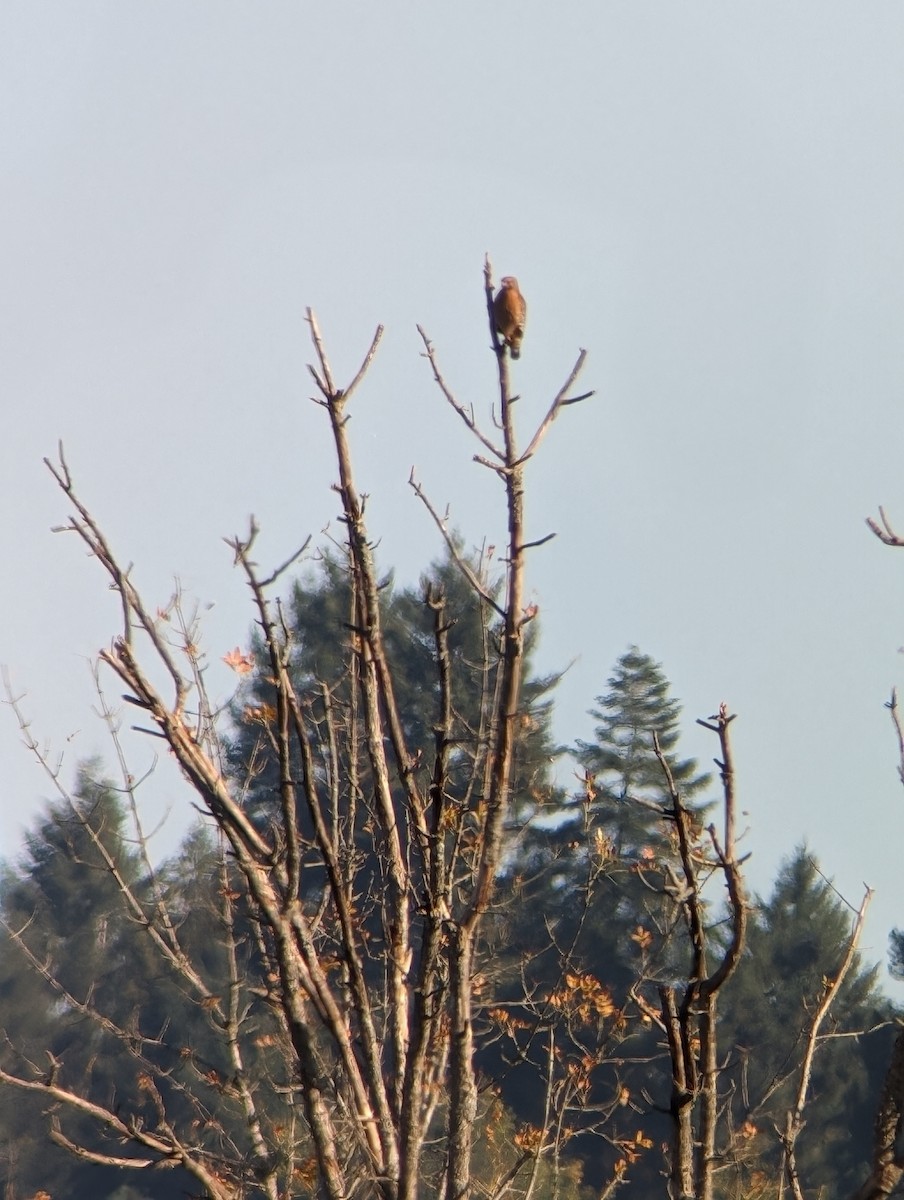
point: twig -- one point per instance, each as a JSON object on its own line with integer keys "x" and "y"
{"x": 884, "y": 533}
{"x": 466, "y": 415}
{"x": 560, "y": 401}
{"x": 892, "y": 706}
{"x": 459, "y": 561}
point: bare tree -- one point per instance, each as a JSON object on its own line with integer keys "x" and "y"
{"x": 367, "y": 975}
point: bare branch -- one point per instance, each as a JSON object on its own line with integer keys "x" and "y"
{"x": 466, "y": 414}
{"x": 794, "y": 1118}
{"x": 560, "y": 402}
{"x": 884, "y": 533}
{"x": 463, "y": 566}
{"x": 892, "y": 706}
{"x": 365, "y": 364}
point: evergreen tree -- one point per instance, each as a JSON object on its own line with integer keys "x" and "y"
{"x": 630, "y": 922}
{"x": 101, "y": 955}
{"x": 796, "y": 939}
{"x": 622, "y": 760}
{"x": 64, "y": 906}
{"x": 896, "y": 954}
{"x": 597, "y": 874}
{"x": 612, "y": 830}
{"x": 120, "y": 1014}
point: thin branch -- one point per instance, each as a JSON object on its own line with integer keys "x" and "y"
{"x": 368, "y": 359}
{"x": 463, "y": 566}
{"x": 794, "y": 1118}
{"x": 467, "y": 415}
{"x": 166, "y": 1149}
{"x": 538, "y": 542}
{"x": 560, "y": 402}
{"x": 884, "y": 533}
{"x": 89, "y": 531}
{"x": 892, "y": 706}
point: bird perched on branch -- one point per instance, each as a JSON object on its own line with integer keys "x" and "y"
{"x": 510, "y": 312}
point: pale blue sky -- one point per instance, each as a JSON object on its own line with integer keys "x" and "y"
{"x": 707, "y": 196}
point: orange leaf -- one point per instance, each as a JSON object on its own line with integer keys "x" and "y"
{"x": 239, "y": 662}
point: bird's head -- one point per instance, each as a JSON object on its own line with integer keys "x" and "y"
{"x": 509, "y": 281}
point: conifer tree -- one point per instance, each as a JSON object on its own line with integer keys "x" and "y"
{"x": 627, "y": 775}
{"x": 796, "y": 941}
{"x": 896, "y": 954}
{"x": 69, "y": 950}
{"x": 615, "y": 818}
{"x": 596, "y": 875}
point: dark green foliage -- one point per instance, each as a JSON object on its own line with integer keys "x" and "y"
{"x": 624, "y": 799}
{"x": 123, "y": 1025}
{"x": 628, "y": 778}
{"x": 65, "y": 904}
{"x": 896, "y": 953}
{"x": 320, "y": 623}
{"x": 796, "y": 940}
{"x": 593, "y": 872}
{"x": 638, "y": 704}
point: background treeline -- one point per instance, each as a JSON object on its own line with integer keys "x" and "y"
{"x": 586, "y": 924}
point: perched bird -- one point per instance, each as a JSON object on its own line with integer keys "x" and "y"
{"x": 510, "y": 312}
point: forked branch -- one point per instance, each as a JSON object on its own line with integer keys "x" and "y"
{"x": 691, "y": 1018}
{"x": 884, "y": 531}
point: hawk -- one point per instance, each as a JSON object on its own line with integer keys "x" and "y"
{"x": 510, "y": 312}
